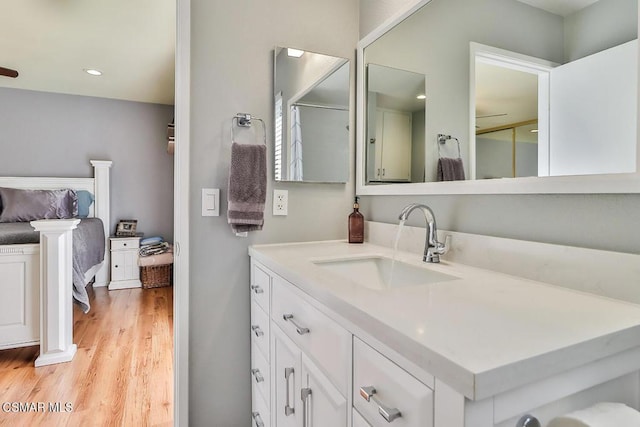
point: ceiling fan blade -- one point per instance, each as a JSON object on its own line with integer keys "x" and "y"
{"x": 491, "y": 115}
{"x": 8, "y": 72}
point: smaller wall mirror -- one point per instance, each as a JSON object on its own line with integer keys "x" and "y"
{"x": 311, "y": 105}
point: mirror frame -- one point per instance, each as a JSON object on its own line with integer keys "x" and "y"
{"x": 623, "y": 183}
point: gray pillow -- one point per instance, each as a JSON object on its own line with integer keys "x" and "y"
{"x": 28, "y": 205}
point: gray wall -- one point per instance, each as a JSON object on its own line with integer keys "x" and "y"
{"x": 49, "y": 134}
{"x": 608, "y": 222}
{"x": 231, "y": 71}
{"x": 604, "y": 24}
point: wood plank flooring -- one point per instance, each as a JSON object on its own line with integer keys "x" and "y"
{"x": 122, "y": 374}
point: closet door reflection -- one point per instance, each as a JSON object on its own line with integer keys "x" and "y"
{"x": 507, "y": 152}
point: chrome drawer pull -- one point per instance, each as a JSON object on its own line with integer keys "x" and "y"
{"x": 257, "y": 375}
{"x": 288, "y": 410}
{"x": 304, "y": 395}
{"x": 389, "y": 414}
{"x": 299, "y": 329}
{"x": 258, "y": 419}
{"x": 257, "y": 289}
{"x": 256, "y": 330}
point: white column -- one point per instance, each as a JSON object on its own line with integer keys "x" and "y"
{"x": 102, "y": 211}
{"x": 56, "y": 281}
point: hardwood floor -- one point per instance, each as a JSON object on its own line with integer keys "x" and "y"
{"x": 122, "y": 374}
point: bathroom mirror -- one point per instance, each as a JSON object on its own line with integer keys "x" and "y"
{"x": 490, "y": 99}
{"x": 311, "y": 105}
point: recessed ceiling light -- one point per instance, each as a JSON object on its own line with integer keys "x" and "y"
{"x": 296, "y": 53}
{"x": 421, "y": 97}
{"x": 534, "y": 130}
{"x": 93, "y": 72}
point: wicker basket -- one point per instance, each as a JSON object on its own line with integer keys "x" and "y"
{"x": 156, "y": 276}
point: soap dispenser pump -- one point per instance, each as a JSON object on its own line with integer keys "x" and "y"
{"x": 356, "y": 224}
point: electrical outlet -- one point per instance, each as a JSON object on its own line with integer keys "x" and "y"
{"x": 280, "y": 202}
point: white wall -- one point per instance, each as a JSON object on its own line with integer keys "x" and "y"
{"x": 597, "y": 221}
{"x": 51, "y": 134}
{"x": 232, "y": 71}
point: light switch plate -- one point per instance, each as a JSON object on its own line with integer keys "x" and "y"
{"x": 210, "y": 202}
{"x": 280, "y": 202}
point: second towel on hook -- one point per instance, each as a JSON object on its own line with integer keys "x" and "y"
{"x": 247, "y": 187}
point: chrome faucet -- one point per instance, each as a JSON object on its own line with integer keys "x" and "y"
{"x": 432, "y": 248}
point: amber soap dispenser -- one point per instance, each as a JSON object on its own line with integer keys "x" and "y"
{"x": 356, "y": 224}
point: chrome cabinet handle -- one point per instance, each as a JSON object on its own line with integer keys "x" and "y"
{"x": 256, "y": 330}
{"x": 257, "y": 375}
{"x": 304, "y": 396}
{"x": 389, "y": 414}
{"x": 288, "y": 410}
{"x": 299, "y": 329}
{"x": 257, "y": 289}
{"x": 258, "y": 419}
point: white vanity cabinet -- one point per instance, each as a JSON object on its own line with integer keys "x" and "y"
{"x": 306, "y": 377}
{"x": 372, "y": 358}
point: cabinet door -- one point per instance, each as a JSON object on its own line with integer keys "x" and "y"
{"x": 287, "y": 380}
{"x": 131, "y": 269}
{"x": 396, "y": 146}
{"x": 118, "y": 266}
{"x": 358, "y": 421}
{"x": 321, "y": 403}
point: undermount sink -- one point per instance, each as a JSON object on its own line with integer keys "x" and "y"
{"x": 377, "y": 272}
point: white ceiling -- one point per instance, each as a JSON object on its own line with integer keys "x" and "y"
{"x": 562, "y": 8}
{"x": 50, "y": 42}
{"x": 396, "y": 89}
{"x": 501, "y": 90}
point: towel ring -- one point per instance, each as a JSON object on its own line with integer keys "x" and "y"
{"x": 442, "y": 139}
{"x": 244, "y": 120}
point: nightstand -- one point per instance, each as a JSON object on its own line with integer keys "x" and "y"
{"x": 125, "y": 272}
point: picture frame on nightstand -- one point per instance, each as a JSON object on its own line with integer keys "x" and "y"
{"x": 127, "y": 228}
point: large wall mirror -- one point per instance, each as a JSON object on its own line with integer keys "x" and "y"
{"x": 500, "y": 96}
{"x": 311, "y": 104}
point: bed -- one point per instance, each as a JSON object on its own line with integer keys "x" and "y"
{"x": 38, "y": 281}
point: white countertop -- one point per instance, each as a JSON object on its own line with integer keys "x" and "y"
{"x": 483, "y": 334}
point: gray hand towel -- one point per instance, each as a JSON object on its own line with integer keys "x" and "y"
{"x": 450, "y": 169}
{"x": 247, "y": 187}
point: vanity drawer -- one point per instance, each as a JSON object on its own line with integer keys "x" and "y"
{"x": 394, "y": 388}
{"x": 322, "y": 339}
{"x": 260, "y": 286}
{"x": 260, "y": 329}
{"x": 260, "y": 415}
{"x": 260, "y": 373}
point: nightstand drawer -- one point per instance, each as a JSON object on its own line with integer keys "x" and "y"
{"x": 121, "y": 243}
